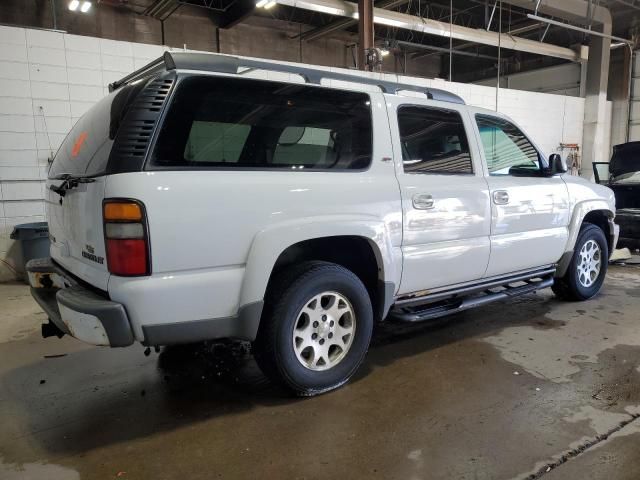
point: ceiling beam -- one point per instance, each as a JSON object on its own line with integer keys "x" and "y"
{"x": 427, "y": 26}
{"x": 421, "y": 46}
{"x": 515, "y": 31}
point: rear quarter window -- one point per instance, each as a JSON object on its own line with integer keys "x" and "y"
{"x": 231, "y": 123}
{"x": 86, "y": 149}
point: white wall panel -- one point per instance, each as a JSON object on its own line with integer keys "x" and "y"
{"x": 16, "y": 158}
{"x": 16, "y": 123}
{"x": 44, "y": 38}
{"x": 47, "y": 56}
{"x": 51, "y": 108}
{"x": 89, "y": 60}
{"x": 13, "y": 36}
{"x": 12, "y": 53}
{"x": 117, "y": 63}
{"x": 79, "y": 43}
{"x": 85, "y": 93}
{"x": 14, "y": 70}
{"x": 47, "y": 73}
{"x": 49, "y": 90}
{"x": 23, "y": 190}
{"x": 83, "y": 76}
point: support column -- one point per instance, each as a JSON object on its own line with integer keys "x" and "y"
{"x": 365, "y": 31}
{"x": 595, "y": 121}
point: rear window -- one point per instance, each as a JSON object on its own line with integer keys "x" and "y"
{"x": 85, "y": 151}
{"x": 241, "y": 123}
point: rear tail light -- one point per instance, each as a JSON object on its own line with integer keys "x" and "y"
{"x": 126, "y": 238}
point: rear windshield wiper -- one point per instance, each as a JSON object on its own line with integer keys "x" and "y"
{"x": 68, "y": 182}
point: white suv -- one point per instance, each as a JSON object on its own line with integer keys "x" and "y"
{"x": 196, "y": 202}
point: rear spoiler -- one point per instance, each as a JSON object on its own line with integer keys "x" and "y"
{"x": 213, "y": 62}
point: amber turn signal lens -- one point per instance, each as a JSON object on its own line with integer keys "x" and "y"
{"x": 126, "y": 211}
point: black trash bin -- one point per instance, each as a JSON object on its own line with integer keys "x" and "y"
{"x": 34, "y": 241}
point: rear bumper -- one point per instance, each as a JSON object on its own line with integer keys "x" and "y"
{"x": 77, "y": 310}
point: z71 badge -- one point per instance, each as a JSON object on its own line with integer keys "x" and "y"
{"x": 89, "y": 254}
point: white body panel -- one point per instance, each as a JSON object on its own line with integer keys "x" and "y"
{"x": 532, "y": 228}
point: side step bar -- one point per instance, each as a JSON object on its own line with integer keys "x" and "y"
{"x": 432, "y": 308}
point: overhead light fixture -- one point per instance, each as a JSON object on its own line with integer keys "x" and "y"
{"x": 270, "y": 5}
{"x": 86, "y": 6}
{"x": 73, "y": 5}
{"x": 262, "y": 3}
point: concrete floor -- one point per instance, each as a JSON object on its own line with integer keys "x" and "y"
{"x": 531, "y": 388}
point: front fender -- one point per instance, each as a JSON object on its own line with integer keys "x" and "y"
{"x": 580, "y": 211}
{"x": 269, "y": 243}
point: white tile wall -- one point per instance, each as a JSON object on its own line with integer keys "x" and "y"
{"x": 14, "y": 70}
{"x": 22, "y": 190}
{"x": 50, "y": 78}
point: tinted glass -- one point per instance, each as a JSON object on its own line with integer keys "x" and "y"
{"x": 506, "y": 147}
{"x": 242, "y": 123}
{"x": 85, "y": 151}
{"x": 433, "y": 141}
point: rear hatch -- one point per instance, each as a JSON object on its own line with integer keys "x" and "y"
{"x": 76, "y": 186}
{"x": 625, "y": 161}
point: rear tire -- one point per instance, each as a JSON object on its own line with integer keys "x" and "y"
{"x": 316, "y": 328}
{"x": 588, "y": 267}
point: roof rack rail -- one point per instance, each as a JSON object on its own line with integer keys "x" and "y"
{"x": 213, "y": 62}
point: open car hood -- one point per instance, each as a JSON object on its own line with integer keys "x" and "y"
{"x": 625, "y": 159}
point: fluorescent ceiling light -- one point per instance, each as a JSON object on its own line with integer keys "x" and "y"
{"x": 381, "y": 20}
{"x": 85, "y": 7}
{"x": 270, "y": 5}
{"x": 261, "y": 3}
{"x": 73, "y": 5}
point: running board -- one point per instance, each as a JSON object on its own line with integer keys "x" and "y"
{"x": 430, "y": 309}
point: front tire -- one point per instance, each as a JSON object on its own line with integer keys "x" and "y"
{"x": 588, "y": 267}
{"x": 316, "y": 328}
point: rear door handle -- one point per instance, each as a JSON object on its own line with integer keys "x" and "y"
{"x": 423, "y": 201}
{"x": 500, "y": 197}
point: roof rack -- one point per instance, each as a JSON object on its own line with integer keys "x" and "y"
{"x": 213, "y": 62}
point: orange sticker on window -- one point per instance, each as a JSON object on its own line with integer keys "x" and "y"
{"x": 78, "y": 145}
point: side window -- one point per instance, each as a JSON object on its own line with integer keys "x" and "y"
{"x": 507, "y": 150}
{"x": 433, "y": 141}
{"x": 230, "y": 123}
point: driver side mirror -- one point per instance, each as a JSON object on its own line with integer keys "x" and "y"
{"x": 556, "y": 164}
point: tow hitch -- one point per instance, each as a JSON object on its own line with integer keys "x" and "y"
{"x": 50, "y": 329}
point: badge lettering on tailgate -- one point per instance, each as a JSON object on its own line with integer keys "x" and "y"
{"x": 89, "y": 255}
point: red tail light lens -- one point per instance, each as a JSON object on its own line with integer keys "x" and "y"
{"x": 126, "y": 238}
{"x": 127, "y": 257}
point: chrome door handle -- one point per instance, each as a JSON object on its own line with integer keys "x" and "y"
{"x": 500, "y": 197}
{"x": 423, "y": 201}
